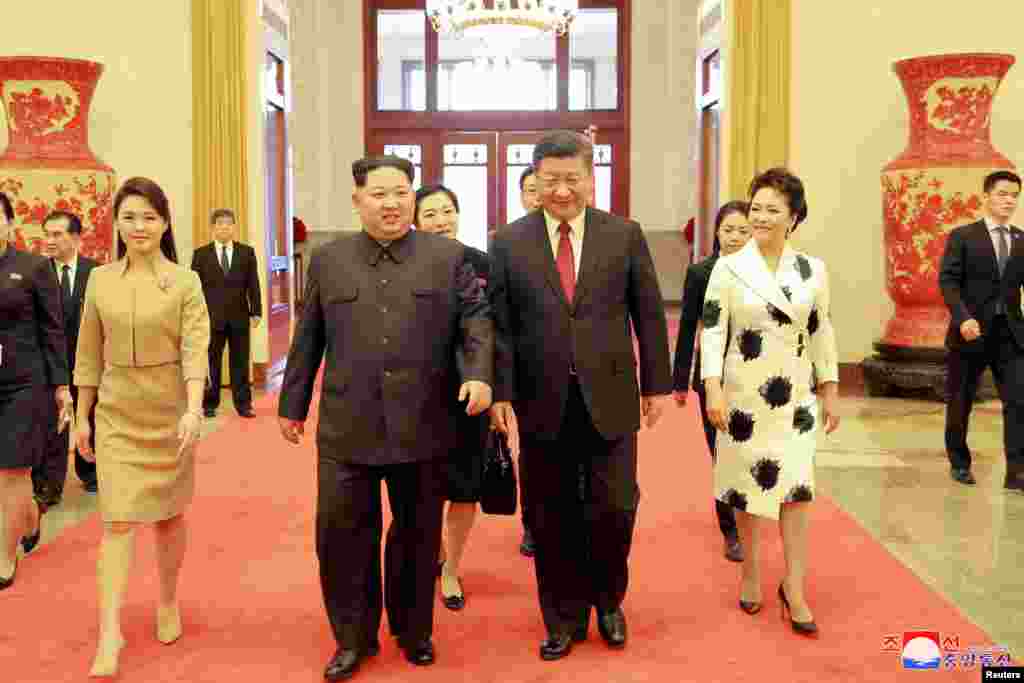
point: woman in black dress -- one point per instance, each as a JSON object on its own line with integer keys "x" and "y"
{"x": 437, "y": 211}
{"x": 33, "y": 372}
{"x": 731, "y": 232}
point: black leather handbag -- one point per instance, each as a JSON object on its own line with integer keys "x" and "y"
{"x": 498, "y": 491}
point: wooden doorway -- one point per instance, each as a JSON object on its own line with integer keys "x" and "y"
{"x": 277, "y": 215}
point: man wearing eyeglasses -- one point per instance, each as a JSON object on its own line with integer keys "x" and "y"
{"x": 566, "y": 283}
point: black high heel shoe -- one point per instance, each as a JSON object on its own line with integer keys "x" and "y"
{"x": 803, "y": 628}
{"x": 29, "y": 543}
{"x": 9, "y": 581}
{"x": 750, "y": 608}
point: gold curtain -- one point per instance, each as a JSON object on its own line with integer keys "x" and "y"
{"x": 219, "y": 132}
{"x": 758, "y": 98}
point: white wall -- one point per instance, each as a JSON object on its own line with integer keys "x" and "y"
{"x": 326, "y": 126}
{"x": 663, "y": 180}
{"x": 141, "y": 115}
{"x": 849, "y": 118}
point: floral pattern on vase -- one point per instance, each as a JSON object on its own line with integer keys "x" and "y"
{"x": 48, "y": 164}
{"x": 934, "y": 186}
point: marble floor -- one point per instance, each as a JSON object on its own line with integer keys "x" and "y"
{"x": 885, "y": 467}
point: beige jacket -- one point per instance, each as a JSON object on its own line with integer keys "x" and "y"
{"x": 154, "y": 322}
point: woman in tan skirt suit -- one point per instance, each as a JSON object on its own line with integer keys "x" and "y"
{"x": 142, "y": 349}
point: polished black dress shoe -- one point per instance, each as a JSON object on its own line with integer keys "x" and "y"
{"x": 1014, "y": 479}
{"x": 612, "y": 626}
{"x": 555, "y": 647}
{"x": 343, "y": 664}
{"x": 733, "y": 550}
{"x": 963, "y": 475}
{"x": 803, "y": 628}
{"x": 247, "y": 412}
{"x": 9, "y": 581}
{"x": 91, "y": 486}
{"x": 579, "y": 634}
{"x": 209, "y": 412}
{"x": 421, "y": 653}
{"x": 527, "y": 547}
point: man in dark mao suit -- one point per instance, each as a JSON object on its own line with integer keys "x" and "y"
{"x": 407, "y": 335}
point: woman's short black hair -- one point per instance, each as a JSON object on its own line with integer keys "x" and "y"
{"x": 788, "y": 186}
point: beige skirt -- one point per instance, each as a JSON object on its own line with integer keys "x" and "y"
{"x": 142, "y": 478}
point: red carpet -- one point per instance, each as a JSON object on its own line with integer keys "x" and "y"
{"x": 252, "y": 610}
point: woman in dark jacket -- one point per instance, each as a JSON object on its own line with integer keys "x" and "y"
{"x": 731, "y": 233}
{"x": 33, "y": 372}
{"x": 437, "y": 211}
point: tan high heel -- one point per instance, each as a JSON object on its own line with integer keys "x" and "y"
{"x": 112, "y": 576}
{"x": 168, "y": 624}
{"x": 107, "y": 659}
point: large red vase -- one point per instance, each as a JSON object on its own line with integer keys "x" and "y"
{"x": 935, "y": 185}
{"x": 48, "y": 165}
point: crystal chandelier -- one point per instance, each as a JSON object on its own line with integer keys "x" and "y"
{"x": 456, "y": 17}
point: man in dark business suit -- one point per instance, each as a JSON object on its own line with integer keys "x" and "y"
{"x": 63, "y": 232}
{"x": 231, "y": 283}
{"x": 566, "y": 282}
{"x": 980, "y": 278}
{"x": 407, "y": 333}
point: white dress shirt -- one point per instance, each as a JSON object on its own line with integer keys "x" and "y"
{"x": 221, "y": 248}
{"x": 72, "y": 271}
{"x": 576, "y": 228}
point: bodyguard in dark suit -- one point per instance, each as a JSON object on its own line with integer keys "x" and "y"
{"x": 401, "y": 322}
{"x": 63, "y": 233}
{"x": 567, "y": 383}
{"x": 231, "y": 284}
{"x": 980, "y": 279}
{"x": 731, "y": 232}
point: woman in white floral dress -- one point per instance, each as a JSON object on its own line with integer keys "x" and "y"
{"x": 767, "y": 339}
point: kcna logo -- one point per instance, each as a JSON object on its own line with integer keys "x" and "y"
{"x": 921, "y": 650}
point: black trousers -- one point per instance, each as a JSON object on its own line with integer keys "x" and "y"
{"x": 1006, "y": 360}
{"x": 582, "y": 548}
{"x": 349, "y": 525}
{"x": 726, "y": 517}
{"x": 53, "y": 470}
{"x": 236, "y": 336}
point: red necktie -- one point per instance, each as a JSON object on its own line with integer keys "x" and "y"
{"x": 566, "y": 262}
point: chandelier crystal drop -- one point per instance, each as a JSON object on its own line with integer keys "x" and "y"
{"x": 455, "y": 17}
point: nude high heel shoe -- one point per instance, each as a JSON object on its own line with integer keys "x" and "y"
{"x": 112, "y": 574}
{"x": 168, "y": 624}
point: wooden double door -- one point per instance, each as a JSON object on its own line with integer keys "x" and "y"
{"x": 483, "y": 169}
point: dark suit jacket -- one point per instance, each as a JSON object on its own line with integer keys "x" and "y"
{"x": 399, "y": 335}
{"x": 73, "y": 307}
{"x": 541, "y": 335}
{"x": 234, "y": 298}
{"x": 970, "y": 282}
{"x": 694, "y": 287}
{"x": 31, "y": 323}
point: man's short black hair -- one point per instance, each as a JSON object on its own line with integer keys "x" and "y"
{"x": 74, "y": 222}
{"x": 992, "y": 178}
{"x": 363, "y": 167}
{"x": 222, "y": 213}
